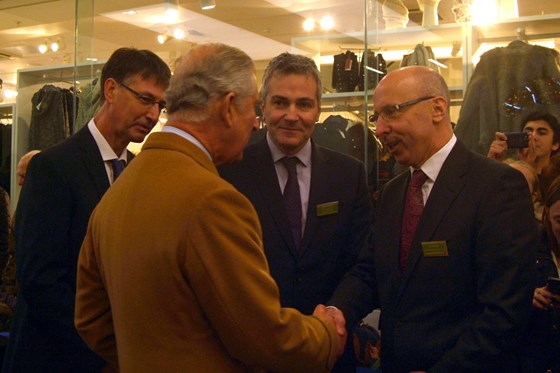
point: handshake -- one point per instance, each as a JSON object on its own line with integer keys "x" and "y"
{"x": 336, "y": 317}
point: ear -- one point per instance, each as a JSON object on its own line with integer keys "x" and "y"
{"x": 555, "y": 146}
{"x": 439, "y": 109}
{"x": 109, "y": 89}
{"x": 228, "y": 107}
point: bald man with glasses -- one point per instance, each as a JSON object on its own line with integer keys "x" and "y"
{"x": 450, "y": 265}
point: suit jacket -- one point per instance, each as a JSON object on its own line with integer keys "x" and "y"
{"x": 179, "y": 282}
{"x": 62, "y": 186}
{"x": 460, "y": 312}
{"x": 330, "y": 243}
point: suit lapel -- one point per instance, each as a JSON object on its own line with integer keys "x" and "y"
{"x": 449, "y": 184}
{"x": 262, "y": 164}
{"x": 318, "y": 191}
{"x": 92, "y": 161}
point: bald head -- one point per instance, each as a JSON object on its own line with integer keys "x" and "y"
{"x": 417, "y": 80}
{"x": 22, "y": 165}
{"x": 412, "y": 109}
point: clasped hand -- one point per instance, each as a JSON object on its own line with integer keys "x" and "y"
{"x": 337, "y": 318}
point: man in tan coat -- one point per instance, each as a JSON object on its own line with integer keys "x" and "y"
{"x": 177, "y": 280}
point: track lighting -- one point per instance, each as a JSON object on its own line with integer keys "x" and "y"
{"x": 43, "y": 47}
{"x": 55, "y": 46}
{"x": 162, "y": 38}
{"x": 207, "y": 4}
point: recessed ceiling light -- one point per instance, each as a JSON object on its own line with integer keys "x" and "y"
{"x": 43, "y": 48}
{"x": 309, "y": 24}
{"x": 327, "y": 23}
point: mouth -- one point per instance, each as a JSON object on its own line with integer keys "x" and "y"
{"x": 390, "y": 144}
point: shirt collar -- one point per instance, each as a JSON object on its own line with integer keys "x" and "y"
{"x": 107, "y": 153}
{"x": 304, "y": 154}
{"x": 433, "y": 165}
{"x": 188, "y": 137}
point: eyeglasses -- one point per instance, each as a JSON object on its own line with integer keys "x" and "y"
{"x": 146, "y": 100}
{"x": 391, "y": 111}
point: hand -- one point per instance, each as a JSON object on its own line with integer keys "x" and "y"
{"x": 338, "y": 321}
{"x": 528, "y": 154}
{"x": 498, "y": 148}
{"x": 543, "y": 298}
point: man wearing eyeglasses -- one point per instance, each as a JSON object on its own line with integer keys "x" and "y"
{"x": 453, "y": 237}
{"x": 62, "y": 186}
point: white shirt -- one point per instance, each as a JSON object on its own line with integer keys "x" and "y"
{"x": 433, "y": 165}
{"x": 107, "y": 153}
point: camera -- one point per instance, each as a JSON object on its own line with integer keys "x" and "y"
{"x": 517, "y": 139}
{"x": 554, "y": 285}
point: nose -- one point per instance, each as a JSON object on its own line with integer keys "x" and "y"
{"x": 154, "y": 112}
{"x": 381, "y": 127}
{"x": 291, "y": 113}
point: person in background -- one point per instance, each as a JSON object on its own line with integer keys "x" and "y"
{"x": 62, "y": 186}
{"x": 542, "y": 336}
{"x": 452, "y": 256}
{"x": 533, "y": 182}
{"x": 22, "y": 165}
{"x": 308, "y": 257}
{"x": 544, "y": 140}
{"x": 9, "y": 283}
{"x": 179, "y": 282}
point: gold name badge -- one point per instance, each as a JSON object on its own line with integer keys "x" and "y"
{"x": 434, "y": 248}
{"x": 328, "y": 208}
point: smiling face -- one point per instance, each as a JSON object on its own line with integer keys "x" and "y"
{"x": 291, "y": 110}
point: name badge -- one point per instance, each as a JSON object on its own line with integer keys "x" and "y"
{"x": 328, "y": 208}
{"x": 434, "y": 248}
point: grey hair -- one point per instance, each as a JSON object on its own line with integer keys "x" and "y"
{"x": 207, "y": 72}
{"x": 288, "y": 63}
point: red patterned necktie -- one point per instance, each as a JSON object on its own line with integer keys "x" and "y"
{"x": 292, "y": 198}
{"x": 413, "y": 206}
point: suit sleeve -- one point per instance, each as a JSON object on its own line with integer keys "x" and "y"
{"x": 228, "y": 272}
{"x": 505, "y": 239}
{"x": 93, "y": 318}
{"x": 44, "y": 269}
{"x": 356, "y": 295}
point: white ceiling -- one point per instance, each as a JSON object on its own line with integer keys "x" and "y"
{"x": 261, "y": 28}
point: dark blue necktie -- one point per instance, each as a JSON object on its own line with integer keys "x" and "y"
{"x": 118, "y": 167}
{"x": 292, "y": 198}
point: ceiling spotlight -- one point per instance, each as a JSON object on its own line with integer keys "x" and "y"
{"x": 327, "y": 23}
{"x": 171, "y": 9}
{"x": 178, "y": 34}
{"x": 43, "y": 48}
{"x": 55, "y": 46}
{"x": 162, "y": 38}
{"x": 309, "y": 24}
{"x": 207, "y": 4}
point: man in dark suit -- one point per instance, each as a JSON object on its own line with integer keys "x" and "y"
{"x": 458, "y": 298}
{"x": 63, "y": 184}
{"x": 309, "y": 256}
